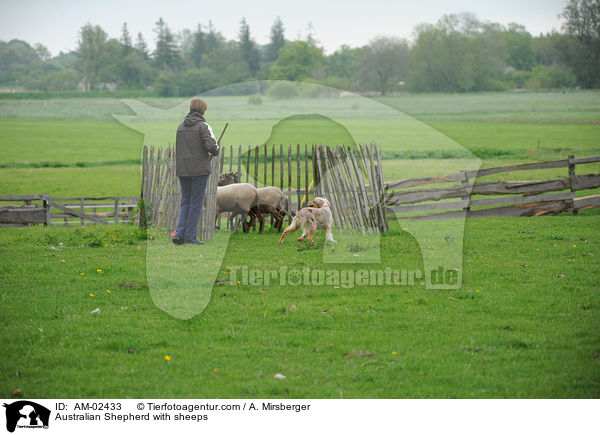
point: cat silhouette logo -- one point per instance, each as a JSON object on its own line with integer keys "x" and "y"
{"x": 26, "y": 414}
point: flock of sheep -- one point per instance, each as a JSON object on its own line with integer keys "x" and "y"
{"x": 245, "y": 200}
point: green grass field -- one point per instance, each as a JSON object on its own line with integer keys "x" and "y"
{"x": 81, "y": 133}
{"x": 524, "y": 324}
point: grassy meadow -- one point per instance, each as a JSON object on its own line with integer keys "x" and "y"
{"x": 85, "y": 146}
{"x": 524, "y": 324}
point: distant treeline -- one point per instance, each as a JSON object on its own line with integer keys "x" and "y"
{"x": 457, "y": 54}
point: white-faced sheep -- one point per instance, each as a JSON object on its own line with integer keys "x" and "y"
{"x": 237, "y": 199}
{"x": 270, "y": 198}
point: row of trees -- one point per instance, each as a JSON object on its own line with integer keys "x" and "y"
{"x": 457, "y": 54}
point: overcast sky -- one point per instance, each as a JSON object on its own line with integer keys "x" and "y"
{"x": 56, "y": 23}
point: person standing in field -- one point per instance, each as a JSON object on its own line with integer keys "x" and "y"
{"x": 194, "y": 147}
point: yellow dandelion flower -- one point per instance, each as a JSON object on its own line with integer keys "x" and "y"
{"x": 394, "y": 353}
{"x": 477, "y": 290}
{"x": 167, "y": 358}
{"x": 574, "y": 246}
{"x": 82, "y": 273}
{"x": 91, "y": 294}
{"x": 108, "y": 291}
{"x": 99, "y": 270}
{"x": 238, "y": 282}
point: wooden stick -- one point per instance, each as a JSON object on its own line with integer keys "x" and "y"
{"x": 272, "y": 164}
{"x": 289, "y": 186}
{"x": 256, "y": 159}
{"x": 265, "y": 161}
{"x": 361, "y": 185}
{"x": 381, "y": 186}
{"x": 298, "y": 175}
{"x": 358, "y": 209}
{"x": 248, "y": 164}
{"x": 222, "y": 133}
{"x": 281, "y": 166}
{"x": 306, "y": 170}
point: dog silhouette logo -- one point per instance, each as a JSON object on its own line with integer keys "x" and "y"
{"x": 26, "y": 414}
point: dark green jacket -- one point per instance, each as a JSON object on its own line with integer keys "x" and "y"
{"x": 195, "y": 140}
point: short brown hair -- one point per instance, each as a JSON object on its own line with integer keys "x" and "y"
{"x": 198, "y": 105}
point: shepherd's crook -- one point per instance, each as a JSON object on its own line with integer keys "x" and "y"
{"x": 222, "y": 133}
{"x": 220, "y": 137}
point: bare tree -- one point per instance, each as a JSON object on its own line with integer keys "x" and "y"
{"x": 385, "y": 62}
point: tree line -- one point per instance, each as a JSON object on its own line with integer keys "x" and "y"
{"x": 459, "y": 53}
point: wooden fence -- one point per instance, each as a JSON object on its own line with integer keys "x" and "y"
{"x": 161, "y": 192}
{"x": 404, "y": 198}
{"x": 24, "y": 210}
{"x": 350, "y": 177}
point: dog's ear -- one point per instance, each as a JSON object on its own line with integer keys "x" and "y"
{"x": 319, "y": 202}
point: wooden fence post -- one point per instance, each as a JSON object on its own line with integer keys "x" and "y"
{"x": 316, "y": 178}
{"x": 289, "y": 186}
{"x": 306, "y": 183}
{"x": 361, "y": 185}
{"x": 256, "y": 159}
{"x": 272, "y": 164}
{"x": 572, "y": 177}
{"x": 381, "y": 187}
{"x": 82, "y": 210}
{"x": 298, "y": 176}
{"x": 329, "y": 188}
{"x": 222, "y": 152}
{"x": 248, "y": 163}
{"x": 142, "y": 209}
{"x": 281, "y": 166}
{"x": 117, "y": 210}
{"x": 265, "y": 161}
{"x": 45, "y": 198}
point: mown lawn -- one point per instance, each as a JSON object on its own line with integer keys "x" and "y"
{"x": 524, "y": 324}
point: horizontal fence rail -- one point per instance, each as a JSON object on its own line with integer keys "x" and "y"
{"x": 81, "y": 211}
{"x": 534, "y": 199}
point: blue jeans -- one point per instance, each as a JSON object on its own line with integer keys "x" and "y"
{"x": 193, "y": 192}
